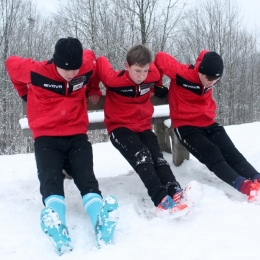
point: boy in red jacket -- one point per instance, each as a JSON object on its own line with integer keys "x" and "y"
{"x": 193, "y": 111}
{"x": 55, "y": 91}
{"x": 128, "y": 112}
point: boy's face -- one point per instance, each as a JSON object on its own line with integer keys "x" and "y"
{"x": 205, "y": 82}
{"x": 68, "y": 75}
{"x": 136, "y": 73}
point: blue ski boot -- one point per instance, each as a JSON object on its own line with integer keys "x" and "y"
{"x": 56, "y": 231}
{"x": 107, "y": 221}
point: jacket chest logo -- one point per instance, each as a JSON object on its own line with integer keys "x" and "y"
{"x": 58, "y": 87}
{"x": 191, "y": 86}
{"x": 52, "y": 86}
{"x": 132, "y": 91}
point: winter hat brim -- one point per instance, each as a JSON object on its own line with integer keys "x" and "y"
{"x": 68, "y": 54}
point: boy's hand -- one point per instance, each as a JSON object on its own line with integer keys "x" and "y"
{"x": 94, "y": 99}
{"x": 160, "y": 91}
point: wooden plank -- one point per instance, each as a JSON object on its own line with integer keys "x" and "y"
{"x": 27, "y": 132}
{"x": 100, "y": 105}
{"x": 96, "y": 126}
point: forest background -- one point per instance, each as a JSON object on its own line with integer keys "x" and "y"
{"x": 111, "y": 27}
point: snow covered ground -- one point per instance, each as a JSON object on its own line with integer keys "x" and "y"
{"x": 222, "y": 225}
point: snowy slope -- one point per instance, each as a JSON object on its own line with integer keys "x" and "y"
{"x": 222, "y": 225}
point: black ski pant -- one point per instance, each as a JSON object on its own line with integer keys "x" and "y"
{"x": 74, "y": 153}
{"x": 212, "y": 146}
{"x": 143, "y": 153}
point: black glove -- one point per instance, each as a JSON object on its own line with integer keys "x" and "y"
{"x": 160, "y": 91}
{"x": 24, "y": 98}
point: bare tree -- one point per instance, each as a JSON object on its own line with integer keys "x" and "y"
{"x": 143, "y": 11}
{"x": 217, "y": 25}
{"x": 23, "y": 33}
{"x": 169, "y": 15}
{"x": 111, "y": 27}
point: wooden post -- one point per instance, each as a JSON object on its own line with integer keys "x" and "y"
{"x": 24, "y": 108}
{"x": 179, "y": 152}
{"x": 163, "y": 137}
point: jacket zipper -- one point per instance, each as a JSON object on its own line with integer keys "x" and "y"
{"x": 137, "y": 90}
{"x": 67, "y": 89}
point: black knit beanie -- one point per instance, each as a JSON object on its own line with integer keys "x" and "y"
{"x": 68, "y": 54}
{"x": 211, "y": 65}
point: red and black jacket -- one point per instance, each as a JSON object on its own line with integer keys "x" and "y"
{"x": 126, "y": 104}
{"x": 54, "y": 106}
{"x": 190, "y": 103}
